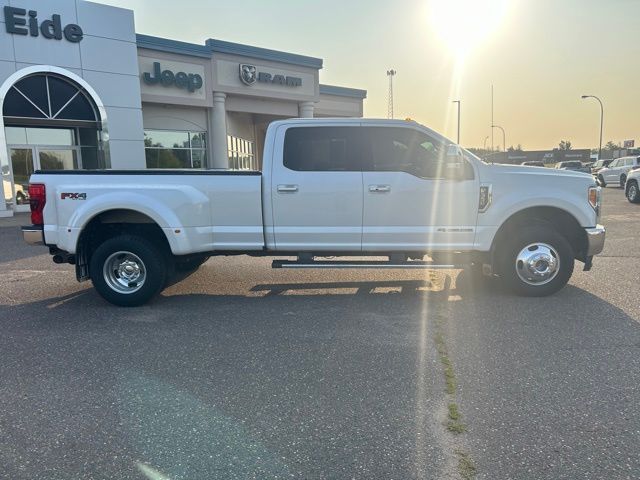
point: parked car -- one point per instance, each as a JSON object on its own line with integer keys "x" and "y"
{"x": 574, "y": 165}
{"x": 599, "y": 165}
{"x": 632, "y": 185}
{"x": 533, "y": 163}
{"x": 350, "y": 187}
{"x": 616, "y": 172}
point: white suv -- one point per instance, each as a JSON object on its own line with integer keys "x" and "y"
{"x": 632, "y": 187}
{"x": 617, "y": 171}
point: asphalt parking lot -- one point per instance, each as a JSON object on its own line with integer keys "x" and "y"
{"x": 241, "y": 371}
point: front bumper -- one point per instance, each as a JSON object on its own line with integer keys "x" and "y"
{"x": 595, "y": 240}
{"x": 33, "y": 234}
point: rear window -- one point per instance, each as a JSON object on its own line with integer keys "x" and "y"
{"x": 321, "y": 149}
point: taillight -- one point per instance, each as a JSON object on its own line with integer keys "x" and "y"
{"x": 37, "y": 200}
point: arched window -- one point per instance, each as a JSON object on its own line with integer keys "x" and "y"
{"x": 49, "y": 100}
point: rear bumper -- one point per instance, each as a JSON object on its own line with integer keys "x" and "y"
{"x": 33, "y": 234}
{"x": 595, "y": 240}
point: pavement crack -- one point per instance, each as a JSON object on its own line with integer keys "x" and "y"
{"x": 459, "y": 464}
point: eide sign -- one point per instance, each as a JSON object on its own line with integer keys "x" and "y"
{"x": 19, "y": 21}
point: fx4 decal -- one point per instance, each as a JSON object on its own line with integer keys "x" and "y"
{"x": 73, "y": 196}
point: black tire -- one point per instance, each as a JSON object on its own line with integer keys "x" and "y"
{"x": 542, "y": 238}
{"x": 623, "y": 180}
{"x": 601, "y": 181}
{"x": 633, "y": 191}
{"x": 135, "y": 251}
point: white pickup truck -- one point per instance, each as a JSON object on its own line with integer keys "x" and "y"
{"x": 394, "y": 191}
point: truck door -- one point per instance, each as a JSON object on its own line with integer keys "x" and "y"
{"x": 411, "y": 200}
{"x": 316, "y": 189}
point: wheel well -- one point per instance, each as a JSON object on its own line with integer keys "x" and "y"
{"x": 561, "y": 220}
{"x": 112, "y": 223}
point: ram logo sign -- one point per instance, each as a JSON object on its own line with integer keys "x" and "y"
{"x": 249, "y": 75}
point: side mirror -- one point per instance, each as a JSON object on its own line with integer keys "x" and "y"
{"x": 454, "y": 162}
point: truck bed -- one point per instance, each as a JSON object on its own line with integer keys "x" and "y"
{"x": 198, "y": 210}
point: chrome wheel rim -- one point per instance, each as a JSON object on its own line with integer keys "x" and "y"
{"x": 632, "y": 192}
{"x": 537, "y": 264}
{"x": 124, "y": 272}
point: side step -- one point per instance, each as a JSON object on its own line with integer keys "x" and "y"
{"x": 361, "y": 264}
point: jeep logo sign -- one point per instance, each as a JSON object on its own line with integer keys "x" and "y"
{"x": 17, "y": 23}
{"x": 167, "y": 78}
{"x": 249, "y": 75}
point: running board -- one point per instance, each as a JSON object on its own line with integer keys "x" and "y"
{"x": 361, "y": 264}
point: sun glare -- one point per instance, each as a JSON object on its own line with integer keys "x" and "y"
{"x": 463, "y": 24}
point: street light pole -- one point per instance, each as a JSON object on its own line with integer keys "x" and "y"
{"x": 601, "y": 121}
{"x": 484, "y": 146}
{"x": 504, "y": 137}
{"x": 458, "y": 102}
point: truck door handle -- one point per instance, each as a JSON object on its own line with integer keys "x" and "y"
{"x": 287, "y": 188}
{"x": 379, "y": 188}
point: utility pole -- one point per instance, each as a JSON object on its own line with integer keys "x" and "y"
{"x": 458, "y": 102}
{"x": 390, "y": 74}
{"x": 601, "y": 121}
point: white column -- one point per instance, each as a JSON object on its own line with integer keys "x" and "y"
{"x": 305, "y": 109}
{"x": 220, "y": 154}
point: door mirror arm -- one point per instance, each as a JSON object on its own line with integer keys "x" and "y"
{"x": 454, "y": 163}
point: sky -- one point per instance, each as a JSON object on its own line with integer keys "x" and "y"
{"x": 539, "y": 55}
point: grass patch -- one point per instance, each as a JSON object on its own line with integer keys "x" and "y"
{"x": 456, "y": 427}
{"x": 454, "y": 414}
{"x": 466, "y": 467}
{"x": 449, "y": 375}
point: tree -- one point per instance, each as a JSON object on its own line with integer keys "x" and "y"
{"x": 565, "y": 145}
{"x": 517, "y": 148}
{"x": 612, "y": 146}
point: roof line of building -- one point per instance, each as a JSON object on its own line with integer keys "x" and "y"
{"x": 342, "y": 91}
{"x": 221, "y": 46}
{"x": 172, "y": 46}
{"x": 212, "y": 45}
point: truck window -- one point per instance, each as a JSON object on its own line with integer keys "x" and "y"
{"x": 321, "y": 149}
{"x": 403, "y": 150}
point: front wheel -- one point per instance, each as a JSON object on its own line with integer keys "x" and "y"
{"x": 633, "y": 194}
{"x": 536, "y": 262}
{"x": 128, "y": 270}
{"x": 623, "y": 180}
{"x": 601, "y": 181}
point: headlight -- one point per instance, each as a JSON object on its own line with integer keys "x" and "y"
{"x": 595, "y": 198}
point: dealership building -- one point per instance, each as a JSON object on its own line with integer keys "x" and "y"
{"x": 79, "y": 89}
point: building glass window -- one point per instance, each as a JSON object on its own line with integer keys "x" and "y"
{"x": 47, "y": 99}
{"x": 241, "y": 154}
{"x": 175, "y": 149}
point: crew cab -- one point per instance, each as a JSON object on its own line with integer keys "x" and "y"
{"x": 372, "y": 189}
